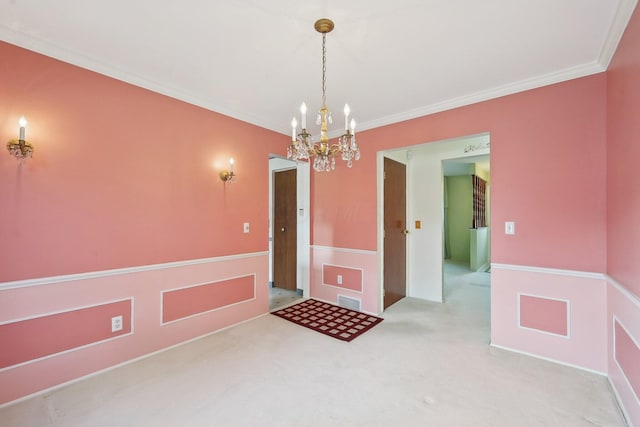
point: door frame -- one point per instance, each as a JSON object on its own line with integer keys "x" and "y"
{"x": 303, "y": 183}
{"x": 429, "y": 288}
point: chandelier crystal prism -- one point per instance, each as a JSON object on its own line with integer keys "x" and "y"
{"x": 323, "y": 153}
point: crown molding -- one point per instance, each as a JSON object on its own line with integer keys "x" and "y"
{"x": 621, "y": 18}
{"x": 71, "y": 57}
{"x": 492, "y": 93}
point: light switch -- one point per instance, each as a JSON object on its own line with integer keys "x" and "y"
{"x": 246, "y": 227}
{"x": 509, "y": 227}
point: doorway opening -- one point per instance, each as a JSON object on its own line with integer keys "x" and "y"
{"x": 466, "y": 201}
{"x": 289, "y": 233}
{"x": 425, "y": 212}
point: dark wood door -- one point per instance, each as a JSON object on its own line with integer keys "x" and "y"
{"x": 395, "y": 232}
{"x": 285, "y": 228}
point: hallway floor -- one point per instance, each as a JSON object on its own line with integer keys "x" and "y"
{"x": 426, "y": 364}
{"x": 279, "y": 297}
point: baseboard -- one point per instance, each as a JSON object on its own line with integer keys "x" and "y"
{"x": 623, "y": 411}
{"x": 549, "y": 359}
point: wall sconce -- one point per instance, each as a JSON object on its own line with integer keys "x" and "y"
{"x": 225, "y": 175}
{"x": 19, "y": 148}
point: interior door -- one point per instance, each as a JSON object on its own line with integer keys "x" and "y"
{"x": 395, "y": 232}
{"x": 285, "y": 228}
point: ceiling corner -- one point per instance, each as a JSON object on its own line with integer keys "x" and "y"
{"x": 620, "y": 20}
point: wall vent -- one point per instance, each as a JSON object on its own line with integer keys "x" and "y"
{"x": 350, "y": 303}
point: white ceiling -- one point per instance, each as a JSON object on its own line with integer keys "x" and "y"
{"x": 256, "y": 60}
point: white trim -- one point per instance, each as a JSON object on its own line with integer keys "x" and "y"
{"x": 624, "y": 412}
{"x": 118, "y": 271}
{"x": 41, "y": 46}
{"x": 79, "y": 60}
{"x": 620, "y": 21}
{"x": 485, "y": 95}
{"x": 125, "y": 363}
{"x": 345, "y": 250}
{"x": 554, "y": 271}
{"x": 549, "y": 359}
{"x": 615, "y": 359}
{"x": 631, "y": 297}
{"x": 483, "y": 268}
{"x": 91, "y": 344}
{"x": 568, "y": 302}
{"x": 207, "y": 311}
{"x": 340, "y": 287}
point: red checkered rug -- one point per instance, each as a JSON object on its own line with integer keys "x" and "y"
{"x": 337, "y": 322}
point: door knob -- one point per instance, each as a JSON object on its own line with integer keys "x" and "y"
{"x": 405, "y": 231}
{"x": 283, "y": 229}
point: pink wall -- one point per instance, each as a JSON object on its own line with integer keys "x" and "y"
{"x": 623, "y": 153}
{"x": 364, "y": 270}
{"x": 184, "y": 302}
{"x": 556, "y": 319}
{"x": 547, "y": 167}
{"x": 623, "y": 214}
{"x": 512, "y": 327}
{"x": 342, "y": 277}
{"x": 623, "y": 347}
{"x": 80, "y": 205}
{"x": 149, "y": 334}
{"x": 49, "y": 334}
{"x": 120, "y": 176}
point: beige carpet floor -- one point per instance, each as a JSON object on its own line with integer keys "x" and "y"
{"x": 426, "y": 364}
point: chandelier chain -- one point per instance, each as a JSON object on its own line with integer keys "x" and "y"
{"x": 324, "y": 69}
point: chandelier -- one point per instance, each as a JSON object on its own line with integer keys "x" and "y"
{"x": 324, "y": 154}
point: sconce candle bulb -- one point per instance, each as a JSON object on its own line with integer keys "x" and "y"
{"x": 20, "y": 148}
{"x": 225, "y": 175}
{"x": 23, "y": 123}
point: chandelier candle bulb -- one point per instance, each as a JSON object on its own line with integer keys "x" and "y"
{"x": 294, "y": 125}
{"x": 23, "y": 123}
{"x": 303, "y": 115}
{"x": 347, "y": 110}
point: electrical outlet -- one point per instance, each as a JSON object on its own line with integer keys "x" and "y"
{"x": 116, "y": 324}
{"x": 246, "y": 227}
{"x": 339, "y": 279}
